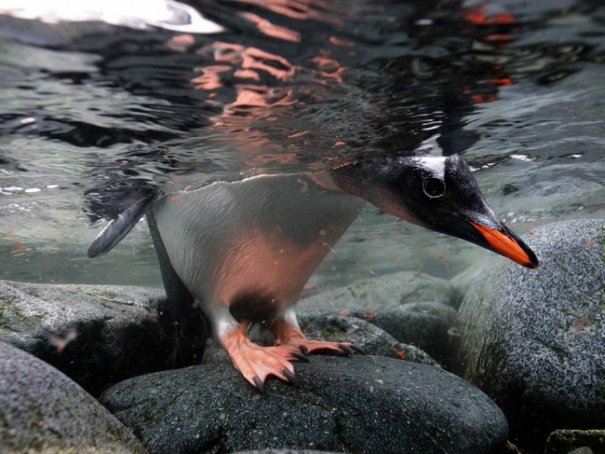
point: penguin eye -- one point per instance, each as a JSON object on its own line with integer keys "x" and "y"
{"x": 433, "y": 187}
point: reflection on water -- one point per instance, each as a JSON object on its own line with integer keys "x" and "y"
{"x": 168, "y": 14}
{"x": 94, "y": 114}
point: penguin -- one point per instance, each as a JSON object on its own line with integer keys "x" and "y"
{"x": 242, "y": 251}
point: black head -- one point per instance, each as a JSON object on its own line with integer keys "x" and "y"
{"x": 437, "y": 192}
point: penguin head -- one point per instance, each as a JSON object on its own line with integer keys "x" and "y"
{"x": 437, "y": 192}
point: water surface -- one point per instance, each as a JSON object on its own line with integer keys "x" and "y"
{"x": 91, "y": 113}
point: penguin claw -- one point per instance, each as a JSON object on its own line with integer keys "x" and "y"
{"x": 301, "y": 357}
{"x": 357, "y": 349}
{"x": 290, "y": 335}
{"x": 257, "y": 363}
{"x": 346, "y": 349}
{"x": 259, "y": 385}
{"x": 290, "y": 377}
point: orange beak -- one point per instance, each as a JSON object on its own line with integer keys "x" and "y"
{"x": 506, "y": 245}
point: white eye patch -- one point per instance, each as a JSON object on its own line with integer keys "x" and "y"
{"x": 435, "y": 165}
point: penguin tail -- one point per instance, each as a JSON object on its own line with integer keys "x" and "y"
{"x": 119, "y": 227}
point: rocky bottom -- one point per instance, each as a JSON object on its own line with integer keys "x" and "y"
{"x": 357, "y": 404}
{"x": 528, "y": 344}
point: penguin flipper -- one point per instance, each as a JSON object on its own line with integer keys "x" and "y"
{"x": 119, "y": 227}
{"x": 188, "y": 326}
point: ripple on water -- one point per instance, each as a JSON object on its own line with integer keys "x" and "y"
{"x": 516, "y": 85}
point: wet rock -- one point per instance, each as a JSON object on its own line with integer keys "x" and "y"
{"x": 41, "y": 410}
{"x": 371, "y": 339}
{"x": 582, "y": 450}
{"x": 382, "y": 292}
{"x": 285, "y": 451}
{"x": 509, "y": 448}
{"x": 356, "y": 404}
{"x": 576, "y": 441}
{"x": 427, "y": 326}
{"x": 535, "y": 339}
{"x": 97, "y": 335}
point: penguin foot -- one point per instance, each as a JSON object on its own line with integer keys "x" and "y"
{"x": 289, "y": 335}
{"x": 256, "y": 363}
{"x": 309, "y": 346}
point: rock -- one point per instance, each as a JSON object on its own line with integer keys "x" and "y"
{"x": 582, "y": 450}
{"x": 381, "y": 292}
{"x": 284, "y": 451}
{"x": 509, "y": 448}
{"x": 534, "y": 340}
{"x": 427, "y": 326}
{"x": 41, "y": 410}
{"x": 356, "y": 404}
{"x": 577, "y": 441}
{"x": 371, "y": 339}
{"x": 97, "y": 335}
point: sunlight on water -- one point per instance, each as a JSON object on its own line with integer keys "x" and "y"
{"x": 167, "y": 14}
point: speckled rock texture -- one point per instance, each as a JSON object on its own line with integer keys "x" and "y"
{"x": 285, "y": 451}
{"x": 93, "y": 334}
{"x": 534, "y": 340}
{"x": 427, "y": 326}
{"x": 356, "y": 404}
{"x": 382, "y": 292}
{"x": 567, "y": 441}
{"x": 41, "y": 410}
{"x": 371, "y": 339}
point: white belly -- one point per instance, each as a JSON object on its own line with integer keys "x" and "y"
{"x": 253, "y": 242}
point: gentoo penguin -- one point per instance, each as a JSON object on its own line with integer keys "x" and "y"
{"x": 242, "y": 251}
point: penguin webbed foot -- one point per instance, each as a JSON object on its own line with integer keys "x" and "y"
{"x": 288, "y": 334}
{"x": 257, "y": 363}
{"x": 340, "y": 348}
{"x": 307, "y": 346}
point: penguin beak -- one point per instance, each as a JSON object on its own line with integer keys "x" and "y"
{"x": 503, "y": 241}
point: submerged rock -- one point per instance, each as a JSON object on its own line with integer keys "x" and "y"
{"x": 576, "y": 441}
{"x": 371, "y": 339}
{"x": 384, "y": 291}
{"x": 357, "y": 404}
{"x": 285, "y": 451}
{"x": 427, "y": 326}
{"x": 97, "y": 335}
{"x": 41, "y": 410}
{"x": 534, "y": 340}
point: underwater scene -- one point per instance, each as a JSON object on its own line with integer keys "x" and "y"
{"x": 244, "y": 183}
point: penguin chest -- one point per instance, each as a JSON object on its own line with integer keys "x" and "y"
{"x": 264, "y": 271}
{"x": 252, "y": 245}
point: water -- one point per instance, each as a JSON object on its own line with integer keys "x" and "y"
{"x": 92, "y": 113}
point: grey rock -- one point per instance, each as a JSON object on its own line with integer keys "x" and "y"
{"x": 97, "y": 335}
{"x": 285, "y": 451}
{"x": 582, "y": 450}
{"x": 427, "y": 326}
{"x": 371, "y": 339}
{"x": 509, "y": 448}
{"x": 41, "y": 410}
{"x": 535, "y": 339}
{"x": 385, "y": 291}
{"x": 356, "y": 404}
{"x": 565, "y": 441}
